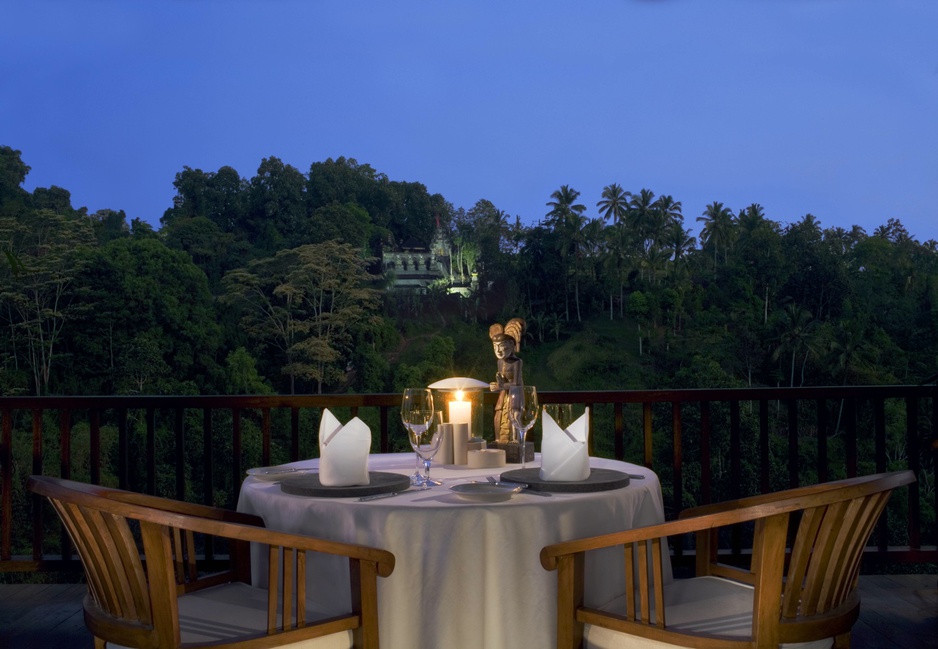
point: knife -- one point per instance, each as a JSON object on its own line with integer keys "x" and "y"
{"x": 526, "y": 487}
{"x": 388, "y": 494}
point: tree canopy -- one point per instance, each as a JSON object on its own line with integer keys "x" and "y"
{"x": 273, "y": 283}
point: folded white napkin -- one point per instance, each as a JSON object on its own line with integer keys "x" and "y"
{"x": 343, "y": 451}
{"x": 564, "y": 452}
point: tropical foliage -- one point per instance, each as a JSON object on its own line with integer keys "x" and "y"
{"x": 279, "y": 274}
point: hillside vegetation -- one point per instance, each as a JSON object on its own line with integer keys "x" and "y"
{"x": 273, "y": 284}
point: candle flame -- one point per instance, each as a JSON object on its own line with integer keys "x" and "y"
{"x": 459, "y": 395}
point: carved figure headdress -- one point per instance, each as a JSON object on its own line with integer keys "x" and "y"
{"x": 513, "y": 329}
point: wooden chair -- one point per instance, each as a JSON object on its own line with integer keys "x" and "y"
{"x": 160, "y": 598}
{"x": 807, "y": 595}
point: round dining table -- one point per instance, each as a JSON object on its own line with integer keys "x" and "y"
{"x": 467, "y": 573}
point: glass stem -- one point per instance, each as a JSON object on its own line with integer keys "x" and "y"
{"x": 521, "y": 432}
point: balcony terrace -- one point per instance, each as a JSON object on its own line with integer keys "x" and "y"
{"x": 706, "y": 446}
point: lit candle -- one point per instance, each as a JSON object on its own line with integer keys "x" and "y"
{"x": 460, "y": 412}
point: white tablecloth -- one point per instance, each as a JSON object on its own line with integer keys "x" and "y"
{"x": 467, "y": 575}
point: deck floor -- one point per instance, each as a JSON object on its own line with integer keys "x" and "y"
{"x": 897, "y": 611}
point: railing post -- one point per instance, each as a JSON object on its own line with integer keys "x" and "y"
{"x": 765, "y": 457}
{"x": 736, "y": 472}
{"x": 208, "y": 458}
{"x": 850, "y": 425}
{"x": 65, "y": 444}
{"x": 208, "y": 482}
{"x": 180, "y": 433}
{"x": 123, "y": 450}
{"x": 736, "y": 453}
{"x": 294, "y": 434}
{"x": 65, "y": 470}
{"x": 6, "y": 475}
{"x": 677, "y": 463}
{"x": 646, "y": 427}
{"x": 879, "y": 433}
{"x": 37, "y": 470}
{"x": 236, "y": 470}
{"x": 677, "y": 455}
{"x": 821, "y": 405}
{"x": 384, "y": 444}
{"x": 265, "y": 436}
{"x": 706, "y": 471}
{"x": 94, "y": 424}
{"x": 912, "y": 449}
{"x": 151, "y": 450}
{"x": 590, "y": 442}
{"x": 793, "y": 443}
{"x": 933, "y": 440}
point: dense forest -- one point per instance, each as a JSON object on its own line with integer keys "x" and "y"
{"x": 273, "y": 284}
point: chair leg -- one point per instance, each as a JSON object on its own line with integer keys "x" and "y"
{"x": 842, "y": 641}
{"x": 570, "y": 590}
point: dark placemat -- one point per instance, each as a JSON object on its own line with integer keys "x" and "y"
{"x": 307, "y": 484}
{"x": 599, "y": 480}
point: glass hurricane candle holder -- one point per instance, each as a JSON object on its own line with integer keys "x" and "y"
{"x": 460, "y": 401}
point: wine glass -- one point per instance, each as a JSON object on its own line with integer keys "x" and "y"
{"x": 522, "y": 411}
{"x": 416, "y": 414}
{"x": 561, "y": 413}
{"x": 425, "y": 440}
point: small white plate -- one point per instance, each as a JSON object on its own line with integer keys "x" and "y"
{"x": 484, "y": 492}
{"x": 274, "y": 473}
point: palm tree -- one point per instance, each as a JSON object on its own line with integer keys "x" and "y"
{"x": 669, "y": 211}
{"x": 850, "y": 349}
{"x": 594, "y": 243}
{"x": 567, "y": 219}
{"x": 679, "y": 242}
{"x": 614, "y": 204}
{"x": 641, "y": 208}
{"x": 656, "y": 259}
{"x": 618, "y": 256}
{"x": 718, "y": 229}
{"x": 563, "y": 203}
{"x": 795, "y": 332}
{"x": 751, "y": 218}
{"x": 758, "y": 245}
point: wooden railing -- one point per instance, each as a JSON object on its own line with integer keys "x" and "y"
{"x": 705, "y": 445}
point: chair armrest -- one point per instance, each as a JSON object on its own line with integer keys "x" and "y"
{"x": 711, "y": 517}
{"x": 156, "y": 502}
{"x": 551, "y": 553}
{"x": 383, "y": 559}
{"x": 191, "y": 509}
{"x": 807, "y": 492}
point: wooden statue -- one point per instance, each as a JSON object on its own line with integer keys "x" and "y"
{"x": 507, "y": 342}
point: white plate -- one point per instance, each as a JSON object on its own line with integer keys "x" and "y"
{"x": 274, "y": 473}
{"x": 484, "y": 492}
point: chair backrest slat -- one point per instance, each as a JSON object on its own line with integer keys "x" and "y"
{"x": 116, "y": 578}
{"x": 826, "y": 554}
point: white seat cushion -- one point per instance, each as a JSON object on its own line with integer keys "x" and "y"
{"x": 702, "y": 604}
{"x": 230, "y": 610}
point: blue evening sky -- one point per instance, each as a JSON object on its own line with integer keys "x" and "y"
{"x": 828, "y": 107}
